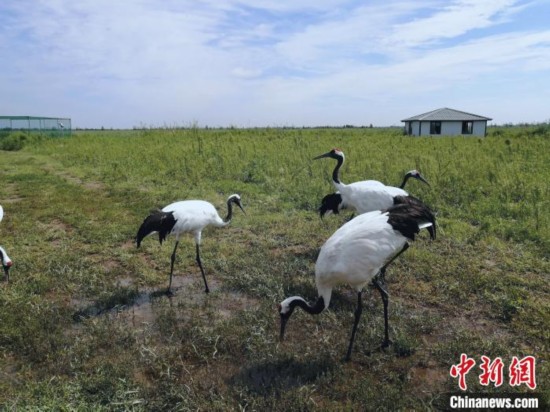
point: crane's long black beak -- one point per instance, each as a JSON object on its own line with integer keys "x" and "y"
{"x": 241, "y": 207}
{"x": 421, "y": 178}
{"x": 322, "y": 156}
{"x": 7, "y": 272}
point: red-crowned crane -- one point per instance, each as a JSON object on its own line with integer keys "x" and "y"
{"x": 333, "y": 203}
{"x": 364, "y": 196}
{"x": 187, "y": 216}
{"x": 358, "y": 253}
{"x": 6, "y": 261}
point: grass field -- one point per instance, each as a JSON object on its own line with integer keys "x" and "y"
{"x": 82, "y": 326}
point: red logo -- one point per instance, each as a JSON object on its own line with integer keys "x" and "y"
{"x": 521, "y": 371}
{"x": 462, "y": 369}
{"x": 492, "y": 371}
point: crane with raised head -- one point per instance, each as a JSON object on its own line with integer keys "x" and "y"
{"x": 363, "y": 196}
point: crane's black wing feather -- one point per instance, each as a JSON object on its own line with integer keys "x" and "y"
{"x": 157, "y": 221}
{"x": 331, "y": 202}
{"x": 409, "y": 213}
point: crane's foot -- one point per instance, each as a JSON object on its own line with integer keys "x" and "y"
{"x": 386, "y": 344}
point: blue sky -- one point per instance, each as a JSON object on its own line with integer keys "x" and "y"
{"x": 249, "y": 63}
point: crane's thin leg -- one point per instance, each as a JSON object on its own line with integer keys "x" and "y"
{"x": 358, "y": 312}
{"x": 206, "y": 290}
{"x": 378, "y": 281}
{"x": 172, "y": 260}
{"x": 385, "y": 300}
{"x": 382, "y": 274}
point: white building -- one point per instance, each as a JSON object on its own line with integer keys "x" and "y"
{"x": 446, "y": 122}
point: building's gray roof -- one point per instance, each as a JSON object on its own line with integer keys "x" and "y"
{"x": 446, "y": 114}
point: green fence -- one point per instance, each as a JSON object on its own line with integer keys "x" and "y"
{"x": 52, "y": 126}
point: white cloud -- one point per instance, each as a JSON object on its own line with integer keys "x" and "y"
{"x": 245, "y": 73}
{"x": 455, "y": 19}
{"x": 260, "y": 62}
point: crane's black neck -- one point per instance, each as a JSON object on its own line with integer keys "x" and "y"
{"x": 229, "y": 211}
{"x": 336, "y": 170}
{"x": 404, "y": 181}
{"x": 314, "y": 309}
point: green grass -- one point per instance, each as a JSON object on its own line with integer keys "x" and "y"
{"x": 82, "y": 327}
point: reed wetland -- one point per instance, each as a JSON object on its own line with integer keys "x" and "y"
{"x": 85, "y": 325}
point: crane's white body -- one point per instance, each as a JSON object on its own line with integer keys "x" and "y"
{"x": 368, "y": 195}
{"x": 193, "y": 216}
{"x": 365, "y": 196}
{"x": 1, "y": 213}
{"x": 355, "y": 253}
{"x": 359, "y": 253}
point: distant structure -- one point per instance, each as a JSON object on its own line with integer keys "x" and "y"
{"x": 446, "y": 122}
{"x": 54, "y": 126}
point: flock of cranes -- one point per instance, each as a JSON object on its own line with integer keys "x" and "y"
{"x": 358, "y": 253}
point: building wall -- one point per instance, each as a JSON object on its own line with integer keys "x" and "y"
{"x": 412, "y": 128}
{"x": 480, "y": 128}
{"x": 416, "y": 128}
{"x": 425, "y": 129}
